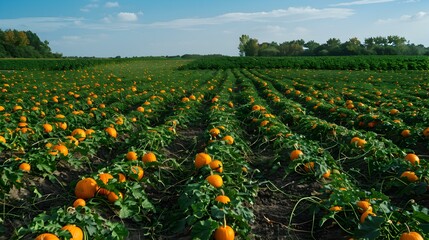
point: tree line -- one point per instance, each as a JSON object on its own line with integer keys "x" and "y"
{"x": 24, "y": 44}
{"x": 390, "y": 45}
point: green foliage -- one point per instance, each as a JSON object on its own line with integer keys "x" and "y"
{"x": 328, "y": 63}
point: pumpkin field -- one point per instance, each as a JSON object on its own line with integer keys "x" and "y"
{"x": 150, "y": 149}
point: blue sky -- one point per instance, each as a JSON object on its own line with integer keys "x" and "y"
{"x": 175, "y": 27}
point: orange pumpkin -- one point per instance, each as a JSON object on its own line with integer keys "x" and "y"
{"x": 411, "y": 236}
{"x": 214, "y": 132}
{"x": 104, "y": 177}
{"x": 113, "y": 197}
{"x": 410, "y": 176}
{"x": 215, "y": 180}
{"x": 137, "y": 170}
{"x": 228, "y": 139}
{"x": 406, "y": 133}
{"x": 216, "y": 165}
{"x": 223, "y": 199}
{"x": 295, "y": 154}
{"x": 111, "y": 132}
{"x": 365, "y": 215}
{"x": 336, "y": 208}
{"x": 75, "y": 231}
{"x": 131, "y": 156}
{"x": 47, "y": 236}
{"x": 47, "y": 128}
{"x": 86, "y": 188}
{"x": 202, "y": 159}
{"x": 121, "y": 177}
{"x": 63, "y": 150}
{"x": 426, "y": 132}
{"x": 412, "y": 158}
{"x": 309, "y": 166}
{"x": 149, "y": 157}
{"x": 224, "y": 233}
{"x": 79, "y": 202}
{"x": 79, "y": 134}
{"x": 363, "y": 206}
{"x": 358, "y": 141}
{"x": 25, "y": 167}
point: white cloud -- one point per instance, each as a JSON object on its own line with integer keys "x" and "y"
{"x": 40, "y": 24}
{"x": 404, "y": 18}
{"x": 127, "y": 17}
{"x": 88, "y": 7}
{"x": 291, "y": 14}
{"x": 362, "y": 2}
{"x": 111, "y": 4}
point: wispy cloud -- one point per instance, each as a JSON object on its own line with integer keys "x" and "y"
{"x": 405, "y": 18}
{"x": 361, "y": 2}
{"x": 88, "y": 7}
{"x": 40, "y": 24}
{"x": 111, "y": 4}
{"x": 292, "y": 14}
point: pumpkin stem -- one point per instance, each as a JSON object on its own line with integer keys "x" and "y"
{"x": 224, "y": 221}
{"x": 223, "y": 193}
{"x": 408, "y": 228}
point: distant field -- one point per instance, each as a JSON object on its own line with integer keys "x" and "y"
{"x": 159, "y": 149}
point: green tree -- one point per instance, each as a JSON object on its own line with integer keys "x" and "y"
{"x": 244, "y": 39}
{"x": 252, "y": 47}
{"x": 352, "y": 47}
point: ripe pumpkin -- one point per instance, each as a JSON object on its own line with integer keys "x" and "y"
{"x": 79, "y": 134}
{"x": 327, "y": 174}
{"x": 216, "y": 165}
{"x": 335, "y": 208}
{"x": 406, "y": 133}
{"x": 137, "y": 170}
{"x": 111, "y": 132}
{"x": 113, "y": 197}
{"x": 426, "y": 132}
{"x": 149, "y": 157}
{"x": 365, "y": 215}
{"x": 47, "y": 236}
{"x": 394, "y": 111}
{"x": 411, "y": 236}
{"x": 47, "y": 128}
{"x": 358, "y": 141}
{"x": 131, "y": 156}
{"x": 224, "y": 233}
{"x": 215, "y": 180}
{"x": 412, "y": 158}
{"x": 202, "y": 159}
{"x": 295, "y": 154}
{"x": 309, "y": 167}
{"x": 363, "y": 206}
{"x": 411, "y": 176}
{"x": 121, "y": 177}
{"x": 75, "y": 231}
{"x": 25, "y": 167}
{"x": 104, "y": 177}
{"x": 223, "y": 199}
{"x": 89, "y": 132}
{"x": 2, "y": 139}
{"x": 86, "y": 188}
{"x": 79, "y": 202}
{"x": 63, "y": 150}
{"x": 214, "y": 132}
{"x": 228, "y": 139}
